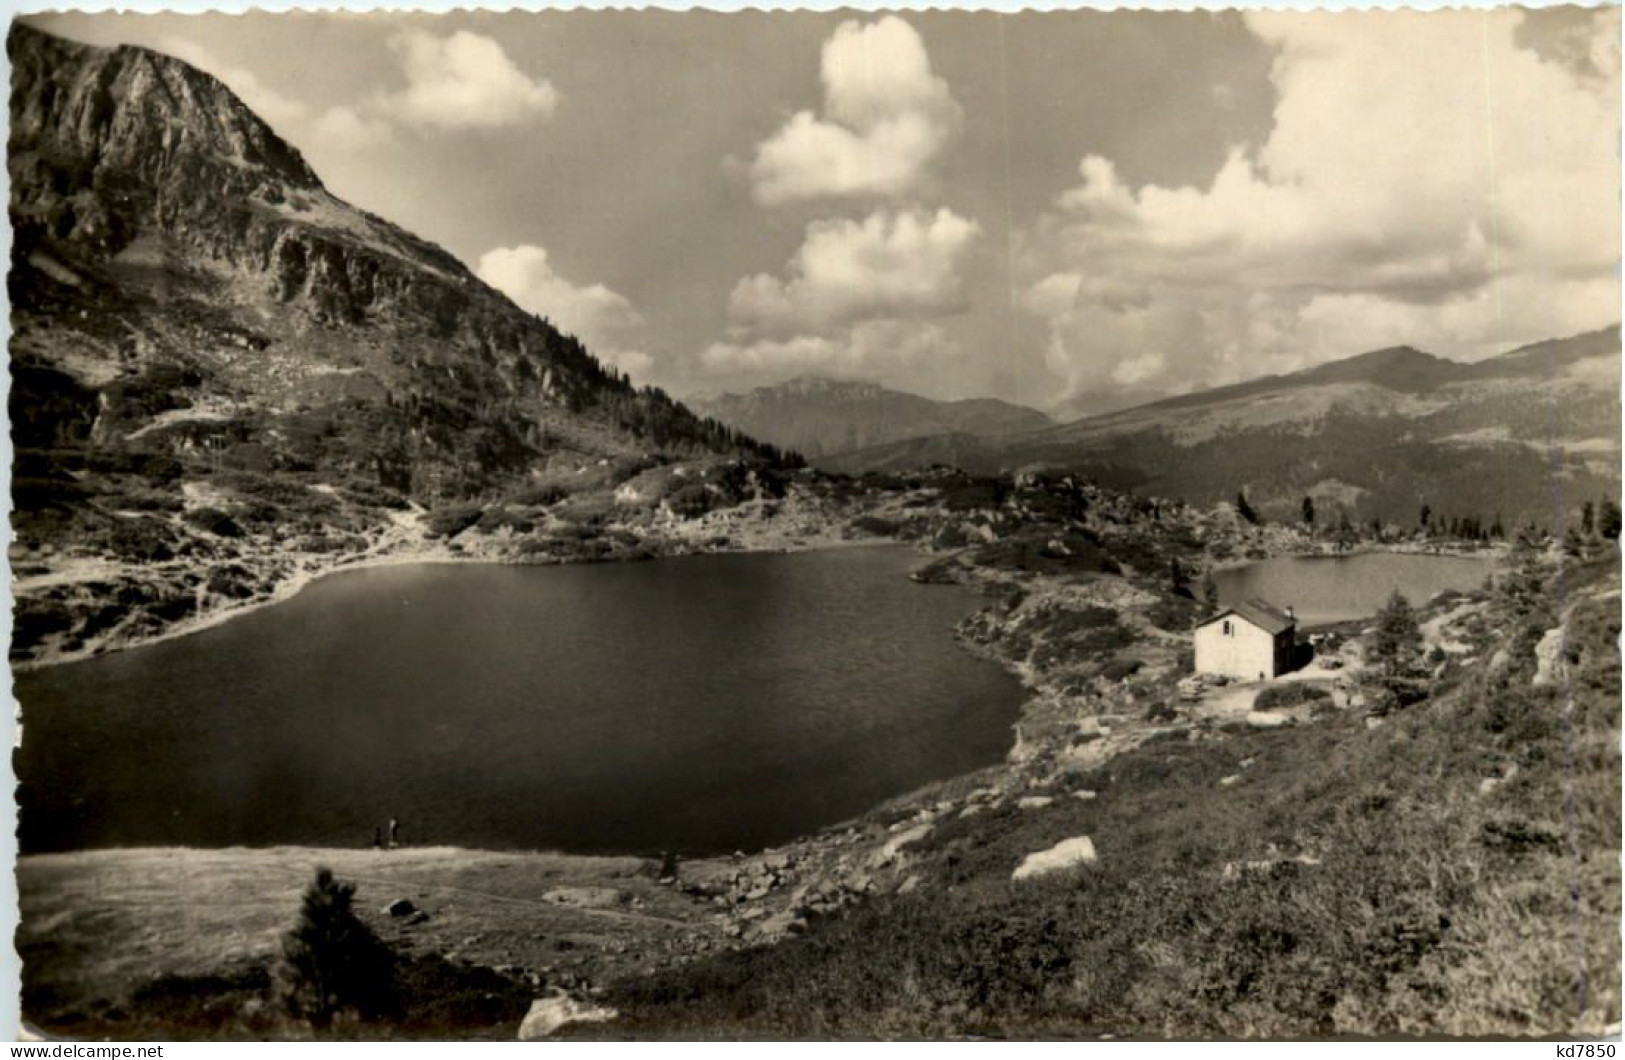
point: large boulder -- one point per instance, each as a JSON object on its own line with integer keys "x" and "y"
{"x": 1067, "y": 854}
{"x": 894, "y": 846}
{"x": 548, "y": 1014}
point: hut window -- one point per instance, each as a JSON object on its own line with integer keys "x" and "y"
{"x": 1227, "y": 630}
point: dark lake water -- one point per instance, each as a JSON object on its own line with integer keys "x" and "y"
{"x": 698, "y": 705}
{"x": 1323, "y": 589}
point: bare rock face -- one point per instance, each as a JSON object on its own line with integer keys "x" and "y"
{"x": 145, "y": 130}
{"x": 1067, "y": 854}
{"x": 126, "y": 152}
{"x": 548, "y": 1015}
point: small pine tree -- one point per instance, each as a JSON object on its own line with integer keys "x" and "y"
{"x": 1178, "y": 580}
{"x": 1210, "y": 593}
{"x": 1244, "y": 509}
{"x": 1346, "y": 536}
{"x": 1608, "y": 520}
{"x": 1395, "y": 676}
{"x": 1425, "y": 516}
{"x": 1588, "y": 518}
{"x": 331, "y": 960}
{"x": 1308, "y": 508}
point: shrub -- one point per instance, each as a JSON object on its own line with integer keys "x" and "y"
{"x": 976, "y": 494}
{"x": 1176, "y": 614}
{"x": 331, "y": 961}
{"x": 1290, "y": 694}
{"x": 453, "y": 519}
{"x": 691, "y": 501}
{"x": 496, "y": 519}
{"x": 540, "y": 496}
{"x": 874, "y": 525}
{"x": 213, "y": 521}
{"x": 1161, "y": 710}
{"x": 1121, "y": 669}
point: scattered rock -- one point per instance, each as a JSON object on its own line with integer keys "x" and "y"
{"x": 419, "y": 917}
{"x": 1225, "y": 782}
{"x": 587, "y": 897}
{"x": 1260, "y": 720}
{"x": 548, "y": 1014}
{"x": 1093, "y": 729}
{"x": 1034, "y": 802}
{"x": 888, "y": 853}
{"x": 1067, "y": 854}
{"x": 1233, "y": 869}
{"x": 1084, "y": 795}
{"x": 1548, "y": 657}
{"x": 401, "y": 907}
{"x": 1489, "y": 784}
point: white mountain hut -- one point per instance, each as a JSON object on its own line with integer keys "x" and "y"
{"x": 1251, "y": 641}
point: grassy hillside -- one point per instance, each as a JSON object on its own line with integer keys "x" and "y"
{"x": 1452, "y": 870}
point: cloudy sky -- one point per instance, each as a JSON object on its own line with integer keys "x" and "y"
{"x": 1076, "y": 210}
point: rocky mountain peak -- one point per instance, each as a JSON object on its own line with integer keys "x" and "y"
{"x": 184, "y": 287}
{"x": 88, "y": 113}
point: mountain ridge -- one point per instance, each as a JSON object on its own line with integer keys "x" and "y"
{"x": 225, "y": 379}
{"x": 110, "y": 150}
{"x": 1376, "y": 435}
{"x": 818, "y": 416}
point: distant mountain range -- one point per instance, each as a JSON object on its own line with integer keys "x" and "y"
{"x": 819, "y": 417}
{"x": 1521, "y": 435}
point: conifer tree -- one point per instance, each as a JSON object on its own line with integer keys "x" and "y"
{"x": 331, "y": 961}
{"x": 1395, "y": 675}
{"x": 1608, "y": 519}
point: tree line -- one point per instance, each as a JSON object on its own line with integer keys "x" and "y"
{"x": 1596, "y": 520}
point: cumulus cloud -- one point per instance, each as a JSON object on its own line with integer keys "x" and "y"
{"x": 602, "y": 319}
{"x": 348, "y": 128}
{"x": 889, "y": 264}
{"x": 1428, "y": 180}
{"x": 868, "y": 349}
{"x": 886, "y": 117}
{"x": 464, "y": 81}
{"x": 858, "y": 299}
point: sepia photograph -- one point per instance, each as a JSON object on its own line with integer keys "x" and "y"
{"x": 924, "y": 525}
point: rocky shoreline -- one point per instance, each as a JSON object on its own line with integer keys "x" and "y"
{"x": 176, "y": 597}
